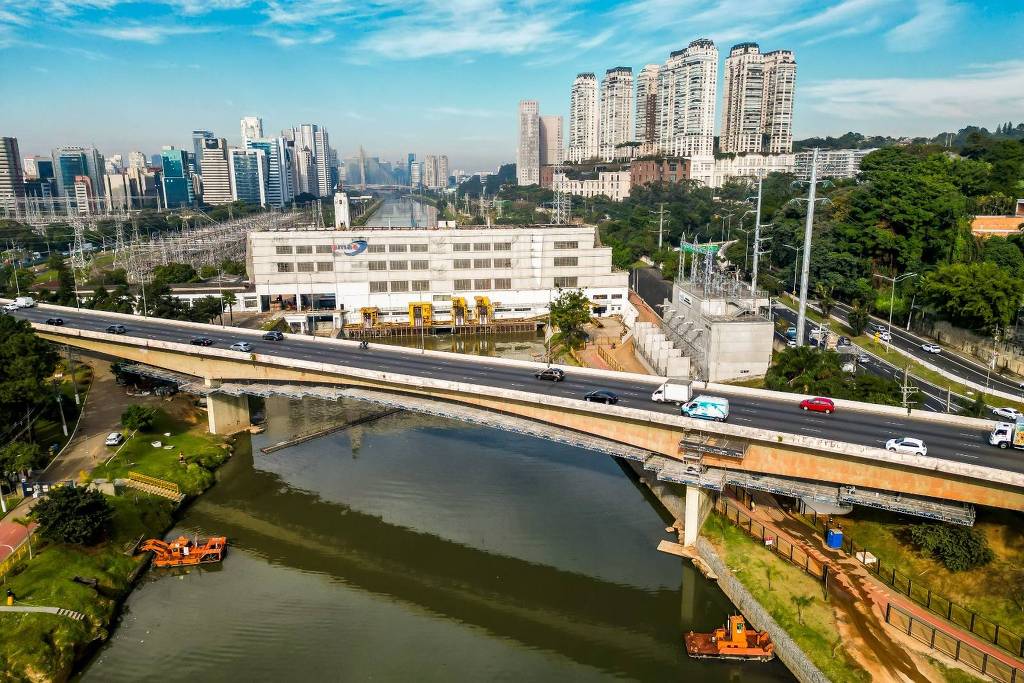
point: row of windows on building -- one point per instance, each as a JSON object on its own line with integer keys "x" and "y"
{"x": 418, "y": 264}
{"x": 462, "y": 285}
{"x": 283, "y": 249}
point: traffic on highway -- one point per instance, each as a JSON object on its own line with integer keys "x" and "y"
{"x": 946, "y": 441}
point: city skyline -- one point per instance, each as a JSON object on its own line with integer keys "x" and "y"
{"x": 874, "y": 66}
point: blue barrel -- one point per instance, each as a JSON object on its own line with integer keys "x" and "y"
{"x": 834, "y": 539}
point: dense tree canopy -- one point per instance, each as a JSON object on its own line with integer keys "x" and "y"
{"x": 805, "y": 370}
{"x": 71, "y": 514}
{"x": 26, "y": 361}
{"x": 977, "y": 296}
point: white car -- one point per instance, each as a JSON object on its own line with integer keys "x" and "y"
{"x": 241, "y": 346}
{"x": 884, "y": 336}
{"x": 907, "y": 445}
{"x": 931, "y": 348}
{"x": 114, "y": 439}
{"x": 10, "y": 307}
{"x": 1008, "y": 414}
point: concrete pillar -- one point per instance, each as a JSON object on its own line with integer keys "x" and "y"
{"x": 227, "y": 414}
{"x": 698, "y": 504}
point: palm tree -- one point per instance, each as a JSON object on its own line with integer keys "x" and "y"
{"x": 801, "y": 601}
{"x": 770, "y": 572}
{"x": 230, "y": 299}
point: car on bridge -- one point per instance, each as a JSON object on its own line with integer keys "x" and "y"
{"x": 55, "y": 321}
{"x": 818, "y": 404}
{"x": 273, "y": 335}
{"x": 116, "y": 329}
{"x": 241, "y": 346}
{"x": 201, "y": 341}
{"x": 907, "y": 445}
{"x": 1008, "y": 414}
{"x": 551, "y": 374}
{"x": 602, "y": 396}
{"x": 931, "y": 348}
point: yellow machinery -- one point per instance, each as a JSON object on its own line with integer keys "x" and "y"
{"x": 420, "y": 314}
{"x": 368, "y": 316}
{"x": 461, "y": 315}
{"x": 484, "y": 310}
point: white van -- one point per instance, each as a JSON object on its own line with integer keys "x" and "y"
{"x": 25, "y": 302}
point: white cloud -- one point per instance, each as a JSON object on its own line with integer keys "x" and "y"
{"x": 293, "y": 38}
{"x": 989, "y": 93}
{"x": 145, "y": 33}
{"x": 934, "y": 18}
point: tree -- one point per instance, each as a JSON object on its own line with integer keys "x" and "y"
{"x": 26, "y": 361}
{"x": 232, "y": 267}
{"x": 175, "y": 273}
{"x": 858, "y": 318}
{"x": 138, "y": 417}
{"x": 825, "y": 300}
{"x": 71, "y": 514}
{"x": 771, "y": 572}
{"x": 229, "y": 299}
{"x": 569, "y": 313}
{"x": 978, "y": 407}
{"x": 976, "y": 296}
{"x": 800, "y": 602}
{"x": 805, "y": 370}
{"x": 18, "y": 456}
{"x": 958, "y": 548}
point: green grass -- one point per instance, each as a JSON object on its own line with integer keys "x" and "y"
{"x": 817, "y": 635}
{"x": 203, "y": 453}
{"x": 45, "y": 646}
{"x": 955, "y": 675}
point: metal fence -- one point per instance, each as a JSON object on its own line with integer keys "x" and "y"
{"x": 17, "y": 555}
{"x": 955, "y": 613}
{"x": 771, "y": 541}
{"x": 951, "y": 646}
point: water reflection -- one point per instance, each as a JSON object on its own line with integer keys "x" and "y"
{"x": 403, "y": 212}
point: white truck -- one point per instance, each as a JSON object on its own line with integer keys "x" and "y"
{"x": 673, "y": 391}
{"x": 25, "y": 302}
{"x": 1008, "y": 434}
{"x": 707, "y": 408}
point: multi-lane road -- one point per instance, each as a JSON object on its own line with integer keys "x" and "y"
{"x": 951, "y": 442}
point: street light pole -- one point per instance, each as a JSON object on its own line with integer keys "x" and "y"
{"x": 892, "y": 298}
{"x": 795, "y": 260}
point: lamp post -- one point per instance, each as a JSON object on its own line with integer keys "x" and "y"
{"x": 892, "y": 297}
{"x": 795, "y": 261}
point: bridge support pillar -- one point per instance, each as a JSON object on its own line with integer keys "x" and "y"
{"x": 227, "y": 414}
{"x": 698, "y": 505}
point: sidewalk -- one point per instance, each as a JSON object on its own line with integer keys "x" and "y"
{"x": 854, "y": 578}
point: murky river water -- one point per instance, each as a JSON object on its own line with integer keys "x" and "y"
{"x": 403, "y": 212}
{"x": 416, "y": 548}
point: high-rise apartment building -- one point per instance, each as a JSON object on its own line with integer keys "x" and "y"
{"x": 12, "y": 180}
{"x": 442, "y": 171}
{"x": 313, "y": 172}
{"x": 251, "y": 128}
{"x": 176, "y": 180}
{"x": 137, "y": 160}
{"x": 197, "y": 149}
{"x": 647, "y": 108}
{"x": 216, "y": 174}
{"x": 70, "y": 161}
{"x": 118, "y": 191}
{"x": 416, "y": 174}
{"x": 83, "y": 194}
{"x": 583, "y": 139}
{"x": 528, "y": 155}
{"x": 279, "y": 189}
{"x": 687, "y": 88}
{"x": 615, "y": 120}
{"x": 757, "y": 108}
{"x": 248, "y": 171}
{"x": 113, "y": 164}
{"x": 430, "y": 171}
{"x": 552, "y": 148}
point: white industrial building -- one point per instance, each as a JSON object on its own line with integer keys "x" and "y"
{"x": 518, "y": 269}
{"x": 612, "y": 184}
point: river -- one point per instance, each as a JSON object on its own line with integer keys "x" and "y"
{"x": 403, "y": 212}
{"x": 417, "y": 548}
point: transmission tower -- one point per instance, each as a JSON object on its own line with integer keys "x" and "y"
{"x": 78, "y": 244}
{"x": 561, "y": 206}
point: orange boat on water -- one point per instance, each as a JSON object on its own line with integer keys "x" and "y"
{"x": 186, "y": 552}
{"x": 733, "y": 641}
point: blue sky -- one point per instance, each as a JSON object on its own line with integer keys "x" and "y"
{"x": 445, "y": 76}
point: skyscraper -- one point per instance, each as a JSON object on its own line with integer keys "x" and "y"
{"x": 84, "y": 194}
{"x": 442, "y": 171}
{"x": 687, "y": 88}
{"x": 314, "y": 177}
{"x": 252, "y": 128}
{"x": 137, "y": 160}
{"x": 528, "y": 155}
{"x": 216, "y": 174}
{"x": 552, "y": 149}
{"x": 647, "y": 108}
{"x": 757, "y": 108}
{"x": 278, "y": 169}
{"x": 322, "y": 152}
{"x": 416, "y": 173}
{"x": 71, "y": 161}
{"x": 779, "y": 91}
{"x": 248, "y": 172}
{"x": 176, "y": 181}
{"x": 615, "y": 124}
{"x": 12, "y": 180}
{"x": 197, "y": 148}
{"x": 583, "y": 118}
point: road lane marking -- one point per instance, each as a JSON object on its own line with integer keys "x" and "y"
{"x": 964, "y": 455}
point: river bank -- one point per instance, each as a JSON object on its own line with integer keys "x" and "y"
{"x": 48, "y": 647}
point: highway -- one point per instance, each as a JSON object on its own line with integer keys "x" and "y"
{"x": 950, "y": 442}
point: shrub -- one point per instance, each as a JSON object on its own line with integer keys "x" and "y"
{"x": 138, "y": 417}
{"x": 73, "y": 515}
{"x": 958, "y": 548}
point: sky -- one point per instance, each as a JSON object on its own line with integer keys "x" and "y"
{"x": 445, "y": 76}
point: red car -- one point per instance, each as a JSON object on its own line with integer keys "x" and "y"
{"x": 818, "y": 405}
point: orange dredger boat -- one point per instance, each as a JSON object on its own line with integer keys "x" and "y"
{"x": 186, "y": 552}
{"x": 733, "y": 641}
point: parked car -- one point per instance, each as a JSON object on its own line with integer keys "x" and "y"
{"x": 114, "y": 439}
{"x": 273, "y": 335}
{"x": 818, "y": 405}
{"x": 931, "y": 348}
{"x": 550, "y": 374}
{"x": 241, "y": 346}
{"x": 116, "y": 329}
{"x": 908, "y": 445}
{"x": 55, "y": 321}
{"x": 1008, "y": 414}
{"x": 201, "y": 341}
{"x": 602, "y": 396}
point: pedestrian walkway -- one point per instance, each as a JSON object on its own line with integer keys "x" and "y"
{"x": 59, "y": 611}
{"x": 852, "y": 576}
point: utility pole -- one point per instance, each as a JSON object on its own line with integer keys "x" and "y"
{"x": 60, "y": 407}
{"x": 757, "y": 235}
{"x": 805, "y": 269}
{"x": 71, "y": 369}
{"x": 908, "y": 390}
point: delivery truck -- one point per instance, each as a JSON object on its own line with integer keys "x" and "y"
{"x": 24, "y": 302}
{"x": 1007, "y": 434}
{"x": 673, "y": 391}
{"x": 707, "y": 408}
